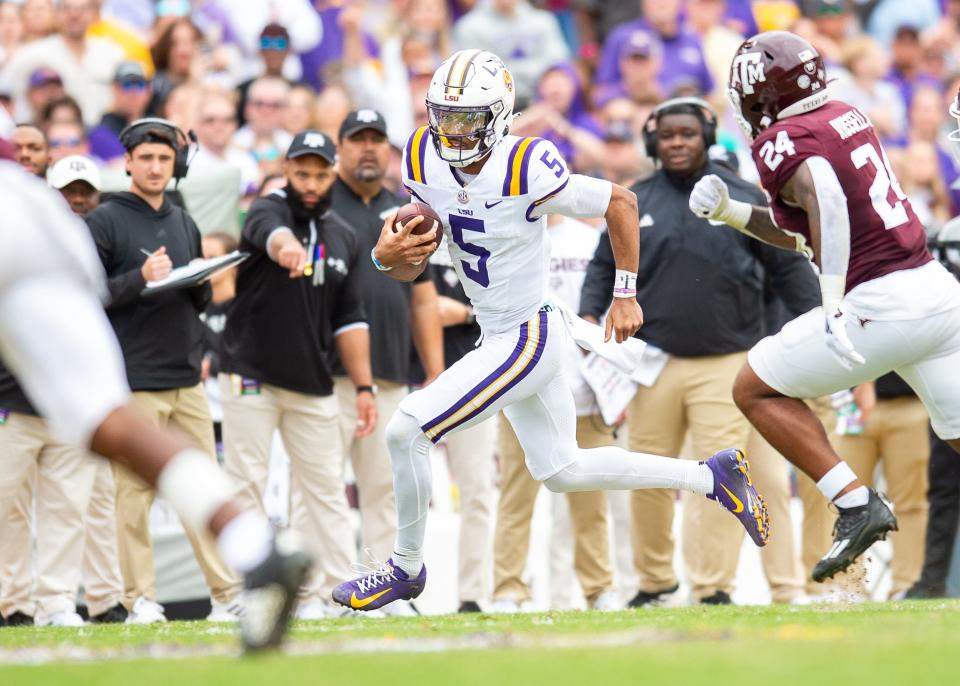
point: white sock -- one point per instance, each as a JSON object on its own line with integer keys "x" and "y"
{"x": 838, "y": 478}
{"x": 856, "y": 498}
{"x": 612, "y": 468}
{"x": 245, "y": 541}
{"x": 196, "y": 487}
{"x": 412, "y": 485}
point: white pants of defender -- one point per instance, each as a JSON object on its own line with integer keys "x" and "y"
{"x": 923, "y": 348}
{"x": 519, "y": 372}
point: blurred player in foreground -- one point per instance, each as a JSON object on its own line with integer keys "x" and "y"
{"x": 887, "y": 305}
{"x": 493, "y": 192}
{"x": 56, "y": 339}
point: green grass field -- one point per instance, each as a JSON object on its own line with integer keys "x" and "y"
{"x": 907, "y": 643}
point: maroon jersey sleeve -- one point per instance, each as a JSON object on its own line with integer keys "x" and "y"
{"x": 885, "y": 234}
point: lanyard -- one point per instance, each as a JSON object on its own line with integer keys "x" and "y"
{"x": 316, "y": 256}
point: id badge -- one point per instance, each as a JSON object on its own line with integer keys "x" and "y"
{"x": 243, "y": 385}
{"x": 4, "y": 414}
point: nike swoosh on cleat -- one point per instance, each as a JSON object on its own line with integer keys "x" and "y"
{"x": 488, "y": 205}
{"x": 738, "y": 504}
{"x": 356, "y": 603}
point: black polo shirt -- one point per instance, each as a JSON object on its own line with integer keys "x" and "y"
{"x": 386, "y": 300}
{"x": 281, "y": 330}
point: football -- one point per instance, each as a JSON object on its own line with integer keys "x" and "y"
{"x": 419, "y": 209}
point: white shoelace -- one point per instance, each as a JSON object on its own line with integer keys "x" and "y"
{"x": 374, "y": 573}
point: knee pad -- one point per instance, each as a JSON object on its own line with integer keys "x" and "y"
{"x": 401, "y": 431}
{"x": 563, "y": 481}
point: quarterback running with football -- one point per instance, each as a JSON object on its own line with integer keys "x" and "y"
{"x": 887, "y": 304}
{"x": 493, "y": 192}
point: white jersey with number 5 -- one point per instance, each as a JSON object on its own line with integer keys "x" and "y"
{"x": 495, "y": 223}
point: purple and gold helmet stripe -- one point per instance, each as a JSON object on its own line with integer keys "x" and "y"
{"x": 518, "y": 165}
{"x": 457, "y": 73}
{"x": 525, "y": 355}
{"x": 416, "y": 155}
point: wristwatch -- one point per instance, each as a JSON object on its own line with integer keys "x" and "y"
{"x": 372, "y": 390}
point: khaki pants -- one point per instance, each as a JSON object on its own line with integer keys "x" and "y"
{"x": 186, "y": 409}
{"x": 588, "y": 513}
{"x": 310, "y": 428}
{"x": 102, "y": 581}
{"x": 370, "y": 460}
{"x": 16, "y": 551}
{"x": 695, "y": 395}
{"x": 64, "y": 481}
{"x": 896, "y": 437}
{"x": 470, "y": 453}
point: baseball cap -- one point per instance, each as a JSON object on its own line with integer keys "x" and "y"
{"x": 312, "y": 142}
{"x": 43, "y": 76}
{"x": 642, "y": 43}
{"x": 826, "y": 8}
{"x": 73, "y": 168}
{"x": 360, "y": 120}
{"x": 129, "y": 72}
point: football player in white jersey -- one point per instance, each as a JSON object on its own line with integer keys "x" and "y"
{"x": 55, "y": 338}
{"x": 493, "y": 192}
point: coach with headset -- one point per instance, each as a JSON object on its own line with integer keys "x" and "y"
{"x": 702, "y": 291}
{"x": 140, "y": 236}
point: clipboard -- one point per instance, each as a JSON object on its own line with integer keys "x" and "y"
{"x": 195, "y": 273}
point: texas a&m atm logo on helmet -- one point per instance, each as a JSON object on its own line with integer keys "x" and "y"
{"x": 775, "y": 75}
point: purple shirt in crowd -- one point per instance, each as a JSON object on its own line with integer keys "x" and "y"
{"x": 683, "y": 61}
{"x": 330, "y": 49}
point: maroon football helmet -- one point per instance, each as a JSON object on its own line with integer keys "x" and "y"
{"x": 774, "y": 75}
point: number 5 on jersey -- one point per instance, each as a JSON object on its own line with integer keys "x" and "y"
{"x": 458, "y": 225}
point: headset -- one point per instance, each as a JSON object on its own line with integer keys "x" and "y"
{"x": 707, "y": 117}
{"x": 133, "y": 135}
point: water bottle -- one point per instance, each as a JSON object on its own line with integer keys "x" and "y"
{"x": 849, "y": 417}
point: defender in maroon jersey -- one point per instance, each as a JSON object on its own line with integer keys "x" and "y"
{"x": 887, "y": 305}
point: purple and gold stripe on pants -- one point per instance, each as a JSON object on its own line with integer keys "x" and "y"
{"x": 525, "y": 355}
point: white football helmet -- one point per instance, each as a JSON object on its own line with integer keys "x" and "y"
{"x": 470, "y": 106}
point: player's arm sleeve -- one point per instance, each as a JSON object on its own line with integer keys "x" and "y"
{"x": 349, "y": 312}
{"x": 597, "y": 290}
{"x": 554, "y": 190}
{"x": 123, "y": 288}
{"x": 834, "y": 231}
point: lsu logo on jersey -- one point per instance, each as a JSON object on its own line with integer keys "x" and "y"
{"x": 747, "y": 70}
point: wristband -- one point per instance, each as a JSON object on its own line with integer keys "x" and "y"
{"x": 736, "y": 214}
{"x": 376, "y": 263}
{"x": 470, "y": 319}
{"x": 367, "y": 389}
{"x": 625, "y": 284}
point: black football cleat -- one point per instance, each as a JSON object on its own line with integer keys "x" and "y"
{"x": 856, "y": 529}
{"x": 270, "y": 591}
{"x": 654, "y": 598}
{"x": 19, "y": 619}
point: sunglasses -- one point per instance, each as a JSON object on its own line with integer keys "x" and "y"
{"x": 278, "y": 43}
{"x": 64, "y": 142}
{"x": 133, "y": 85}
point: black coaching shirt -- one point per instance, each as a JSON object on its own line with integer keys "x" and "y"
{"x": 281, "y": 330}
{"x": 386, "y": 300}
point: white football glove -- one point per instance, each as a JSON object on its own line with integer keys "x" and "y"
{"x": 838, "y": 341}
{"x": 709, "y": 198}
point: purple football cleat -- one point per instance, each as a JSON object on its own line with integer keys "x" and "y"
{"x": 378, "y": 587}
{"x": 734, "y": 490}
